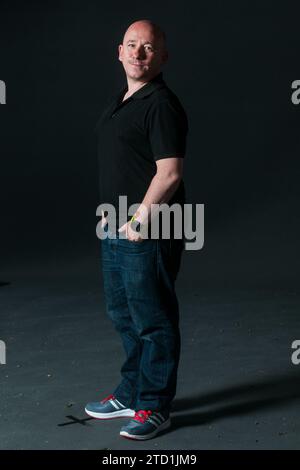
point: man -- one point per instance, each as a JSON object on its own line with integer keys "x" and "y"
{"x": 142, "y": 137}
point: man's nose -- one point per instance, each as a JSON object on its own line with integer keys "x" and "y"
{"x": 139, "y": 52}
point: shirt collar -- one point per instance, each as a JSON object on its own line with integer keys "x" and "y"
{"x": 146, "y": 90}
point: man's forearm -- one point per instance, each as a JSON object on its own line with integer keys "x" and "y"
{"x": 160, "y": 191}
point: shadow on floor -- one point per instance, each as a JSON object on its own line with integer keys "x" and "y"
{"x": 243, "y": 399}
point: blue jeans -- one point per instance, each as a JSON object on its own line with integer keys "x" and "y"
{"x": 139, "y": 287}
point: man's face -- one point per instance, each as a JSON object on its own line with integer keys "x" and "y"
{"x": 142, "y": 52}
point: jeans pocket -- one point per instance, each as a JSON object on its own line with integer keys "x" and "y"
{"x": 136, "y": 248}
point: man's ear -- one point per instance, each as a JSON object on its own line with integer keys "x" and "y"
{"x": 120, "y": 52}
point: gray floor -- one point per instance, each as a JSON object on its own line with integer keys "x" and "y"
{"x": 237, "y": 387}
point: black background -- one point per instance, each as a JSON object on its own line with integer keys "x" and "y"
{"x": 231, "y": 63}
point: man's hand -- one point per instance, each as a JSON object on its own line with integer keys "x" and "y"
{"x": 131, "y": 234}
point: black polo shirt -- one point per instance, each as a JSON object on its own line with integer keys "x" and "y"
{"x": 132, "y": 135}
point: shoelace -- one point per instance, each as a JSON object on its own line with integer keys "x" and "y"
{"x": 142, "y": 415}
{"x": 110, "y": 397}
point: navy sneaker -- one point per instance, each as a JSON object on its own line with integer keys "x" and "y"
{"x": 109, "y": 408}
{"x": 146, "y": 424}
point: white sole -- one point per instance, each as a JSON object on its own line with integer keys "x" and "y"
{"x": 162, "y": 427}
{"x": 115, "y": 414}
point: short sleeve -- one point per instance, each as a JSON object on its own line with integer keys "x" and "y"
{"x": 167, "y": 129}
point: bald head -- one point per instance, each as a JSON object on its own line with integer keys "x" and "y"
{"x": 156, "y": 31}
{"x": 143, "y": 51}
